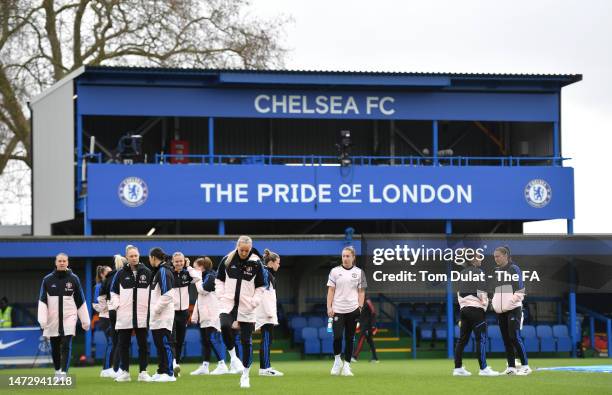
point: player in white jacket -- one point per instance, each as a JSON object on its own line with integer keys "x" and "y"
{"x": 266, "y": 315}
{"x": 130, "y": 298}
{"x": 60, "y": 302}
{"x": 206, "y": 313}
{"x": 161, "y": 310}
{"x": 239, "y": 286}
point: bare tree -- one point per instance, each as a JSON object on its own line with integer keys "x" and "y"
{"x": 42, "y": 41}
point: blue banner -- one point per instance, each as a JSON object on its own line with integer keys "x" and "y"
{"x": 23, "y": 345}
{"x": 316, "y": 104}
{"x": 147, "y": 191}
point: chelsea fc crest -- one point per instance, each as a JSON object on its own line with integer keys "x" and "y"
{"x": 538, "y": 193}
{"x": 133, "y": 191}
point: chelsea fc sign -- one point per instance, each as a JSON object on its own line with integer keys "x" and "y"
{"x": 133, "y": 191}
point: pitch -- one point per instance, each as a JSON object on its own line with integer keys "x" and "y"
{"x": 387, "y": 377}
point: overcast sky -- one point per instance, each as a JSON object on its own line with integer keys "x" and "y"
{"x": 479, "y": 36}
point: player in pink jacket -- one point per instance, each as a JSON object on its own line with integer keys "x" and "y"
{"x": 206, "y": 314}
{"x": 508, "y": 304}
{"x": 239, "y": 286}
{"x": 60, "y": 302}
{"x": 266, "y": 314}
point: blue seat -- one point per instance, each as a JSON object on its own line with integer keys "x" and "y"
{"x": 99, "y": 340}
{"x": 316, "y": 322}
{"x": 530, "y": 339}
{"x": 443, "y": 319}
{"x": 564, "y": 342}
{"x": 435, "y": 308}
{"x": 427, "y": 331}
{"x": 420, "y": 308}
{"x": 491, "y": 319}
{"x": 297, "y": 324}
{"x": 441, "y": 331}
{"x": 417, "y": 318}
{"x": 193, "y": 345}
{"x": 547, "y": 341}
{"x": 493, "y": 331}
{"x": 431, "y": 318}
{"x": 404, "y": 311}
{"x": 327, "y": 341}
{"x": 152, "y": 348}
{"x": 312, "y": 344}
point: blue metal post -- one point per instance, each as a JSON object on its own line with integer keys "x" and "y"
{"x": 556, "y": 139}
{"x": 609, "y": 333}
{"x": 414, "y": 340}
{"x": 211, "y": 139}
{"x": 88, "y": 279}
{"x": 592, "y": 331}
{"x": 450, "y": 333}
{"x": 79, "y": 156}
{"x": 88, "y": 293}
{"x": 572, "y": 297}
{"x": 435, "y": 143}
{"x": 221, "y": 230}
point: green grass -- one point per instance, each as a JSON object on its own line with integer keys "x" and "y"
{"x": 387, "y": 377}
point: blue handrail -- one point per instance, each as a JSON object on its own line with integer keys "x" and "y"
{"x": 310, "y": 160}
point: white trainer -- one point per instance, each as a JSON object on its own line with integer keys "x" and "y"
{"x": 335, "y": 370}
{"x": 104, "y": 373}
{"x": 509, "y": 371}
{"x": 462, "y": 371}
{"x": 220, "y": 369}
{"x": 144, "y": 376}
{"x": 488, "y": 372}
{"x": 244, "y": 379}
{"x": 271, "y": 372}
{"x": 346, "y": 369}
{"x": 123, "y": 377}
{"x": 236, "y": 366}
{"x": 523, "y": 370}
{"x": 155, "y": 376}
{"x": 201, "y": 370}
{"x": 164, "y": 378}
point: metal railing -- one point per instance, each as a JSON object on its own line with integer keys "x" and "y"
{"x": 330, "y": 160}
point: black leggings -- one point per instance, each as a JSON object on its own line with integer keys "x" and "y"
{"x": 178, "y": 332}
{"x": 125, "y": 338}
{"x": 264, "y": 347}
{"x": 246, "y": 332}
{"x": 114, "y": 357}
{"x": 207, "y": 346}
{"x": 472, "y": 319}
{"x": 345, "y": 324}
{"x": 510, "y": 326}
{"x": 61, "y": 352}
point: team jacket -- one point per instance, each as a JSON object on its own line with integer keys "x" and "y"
{"x": 130, "y": 297}
{"x": 239, "y": 285}
{"x": 60, "y": 302}
{"x": 99, "y": 302}
{"x": 472, "y": 293}
{"x": 265, "y": 313}
{"x": 206, "y": 309}
{"x": 508, "y": 294}
{"x": 162, "y": 303}
{"x": 180, "y": 294}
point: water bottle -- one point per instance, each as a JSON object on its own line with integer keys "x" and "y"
{"x": 330, "y": 322}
